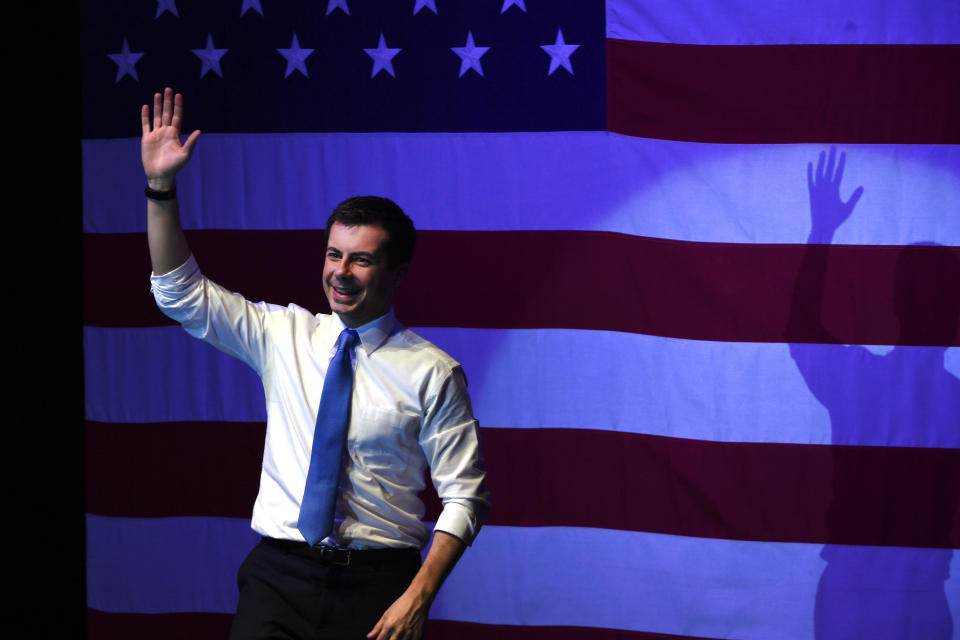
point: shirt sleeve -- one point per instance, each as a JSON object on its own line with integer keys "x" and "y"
{"x": 211, "y": 313}
{"x": 450, "y": 439}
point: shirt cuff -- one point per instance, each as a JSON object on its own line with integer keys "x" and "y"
{"x": 458, "y": 521}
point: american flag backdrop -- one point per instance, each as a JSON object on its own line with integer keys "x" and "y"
{"x": 696, "y": 424}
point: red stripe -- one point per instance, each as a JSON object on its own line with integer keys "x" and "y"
{"x": 903, "y": 94}
{"x": 443, "y": 629}
{"x": 902, "y": 496}
{"x": 102, "y": 625}
{"x": 173, "y": 468}
{"x": 558, "y": 279}
{"x": 123, "y": 626}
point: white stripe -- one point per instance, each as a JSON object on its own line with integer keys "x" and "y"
{"x": 161, "y": 374}
{"x": 165, "y": 565}
{"x": 739, "y": 22}
{"x": 514, "y": 575}
{"x": 650, "y": 582}
{"x": 538, "y": 181}
{"x": 538, "y": 378}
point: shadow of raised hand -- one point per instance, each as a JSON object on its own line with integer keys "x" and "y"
{"x": 827, "y": 210}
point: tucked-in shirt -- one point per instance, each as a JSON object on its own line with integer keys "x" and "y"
{"x": 410, "y": 411}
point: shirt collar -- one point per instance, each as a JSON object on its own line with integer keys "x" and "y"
{"x": 372, "y": 335}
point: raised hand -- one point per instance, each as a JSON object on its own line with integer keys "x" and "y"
{"x": 827, "y": 210}
{"x": 161, "y": 151}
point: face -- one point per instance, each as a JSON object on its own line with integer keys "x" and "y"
{"x": 357, "y": 277}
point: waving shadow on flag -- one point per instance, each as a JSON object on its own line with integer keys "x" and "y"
{"x": 891, "y": 585}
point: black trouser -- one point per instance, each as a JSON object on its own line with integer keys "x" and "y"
{"x": 287, "y": 594}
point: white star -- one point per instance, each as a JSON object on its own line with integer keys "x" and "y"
{"x": 296, "y": 58}
{"x": 210, "y": 57}
{"x": 337, "y": 4}
{"x": 429, "y": 4}
{"x": 560, "y": 53}
{"x": 166, "y": 5}
{"x": 251, "y": 4}
{"x": 509, "y": 3}
{"x": 382, "y": 57}
{"x": 470, "y": 55}
{"x": 126, "y": 62}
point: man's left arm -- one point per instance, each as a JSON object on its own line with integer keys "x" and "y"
{"x": 405, "y": 619}
{"x": 450, "y": 440}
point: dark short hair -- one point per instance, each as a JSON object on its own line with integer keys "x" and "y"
{"x": 384, "y": 213}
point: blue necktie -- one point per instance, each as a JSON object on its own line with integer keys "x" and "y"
{"x": 323, "y": 476}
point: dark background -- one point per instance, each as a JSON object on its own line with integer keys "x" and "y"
{"x": 44, "y": 510}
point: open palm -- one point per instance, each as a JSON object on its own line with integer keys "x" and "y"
{"x": 827, "y": 209}
{"x": 161, "y": 151}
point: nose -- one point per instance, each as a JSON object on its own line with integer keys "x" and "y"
{"x": 341, "y": 269}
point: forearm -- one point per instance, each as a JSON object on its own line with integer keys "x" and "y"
{"x": 163, "y": 156}
{"x": 808, "y": 290}
{"x": 406, "y": 618}
{"x": 168, "y": 244}
{"x": 442, "y": 557}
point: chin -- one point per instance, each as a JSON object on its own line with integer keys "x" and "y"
{"x": 342, "y": 310}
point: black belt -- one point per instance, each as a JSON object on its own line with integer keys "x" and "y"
{"x": 342, "y": 557}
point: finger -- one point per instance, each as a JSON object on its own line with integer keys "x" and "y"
{"x": 830, "y": 162}
{"x": 840, "y": 165}
{"x": 156, "y": 110}
{"x": 145, "y": 119}
{"x": 820, "y": 161}
{"x": 191, "y": 142}
{"x": 852, "y": 202}
{"x": 167, "y": 106}
{"x": 810, "y": 176}
{"x": 376, "y": 629}
{"x": 177, "y": 111}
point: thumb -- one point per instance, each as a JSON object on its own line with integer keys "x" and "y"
{"x": 191, "y": 142}
{"x": 852, "y": 202}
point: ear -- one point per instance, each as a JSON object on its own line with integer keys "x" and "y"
{"x": 399, "y": 273}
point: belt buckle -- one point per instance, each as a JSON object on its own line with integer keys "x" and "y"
{"x": 337, "y": 557}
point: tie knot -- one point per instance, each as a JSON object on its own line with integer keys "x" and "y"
{"x": 348, "y": 339}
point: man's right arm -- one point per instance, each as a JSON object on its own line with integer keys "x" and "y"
{"x": 206, "y": 310}
{"x": 817, "y": 359}
{"x": 163, "y": 156}
{"x": 827, "y": 212}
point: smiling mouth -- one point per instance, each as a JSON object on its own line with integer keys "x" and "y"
{"x": 344, "y": 292}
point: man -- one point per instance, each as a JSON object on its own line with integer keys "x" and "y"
{"x": 904, "y": 396}
{"x": 406, "y": 404}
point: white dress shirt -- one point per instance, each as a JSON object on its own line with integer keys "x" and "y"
{"x": 410, "y": 410}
